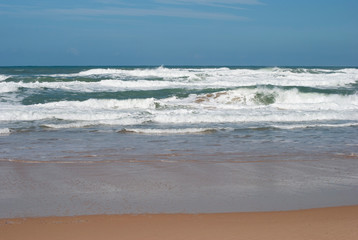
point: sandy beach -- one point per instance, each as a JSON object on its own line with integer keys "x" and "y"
{"x": 323, "y": 223}
{"x": 178, "y": 201}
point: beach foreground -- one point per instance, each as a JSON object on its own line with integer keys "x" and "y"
{"x": 323, "y": 223}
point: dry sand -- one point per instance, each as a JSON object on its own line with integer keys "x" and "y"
{"x": 325, "y": 223}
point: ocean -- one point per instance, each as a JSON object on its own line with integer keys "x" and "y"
{"x": 180, "y": 117}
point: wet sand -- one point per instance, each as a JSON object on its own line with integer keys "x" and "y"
{"x": 179, "y": 200}
{"x": 40, "y": 189}
{"x": 323, "y": 223}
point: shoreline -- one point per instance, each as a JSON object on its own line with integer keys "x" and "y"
{"x": 35, "y": 190}
{"x": 318, "y": 223}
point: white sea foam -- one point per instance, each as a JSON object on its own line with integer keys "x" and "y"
{"x": 121, "y": 121}
{"x": 243, "y": 104}
{"x": 93, "y": 111}
{"x": 5, "y": 131}
{"x": 3, "y": 77}
{"x": 203, "y": 73}
{"x": 240, "y": 105}
{"x": 161, "y": 78}
{"x": 142, "y": 85}
{"x": 169, "y": 131}
{"x": 318, "y": 125}
{"x": 6, "y": 87}
{"x": 104, "y": 104}
{"x": 275, "y": 98}
{"x": 138, "y": 73}
{"x": 70, "y": 125}
{"x": 194, "y": 117}
{"x": 160, "y": 72}
{"x": 230, "y": 81}
{"x": 101, "y": 86}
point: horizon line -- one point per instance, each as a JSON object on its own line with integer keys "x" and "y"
{"x": 179, "y": 65}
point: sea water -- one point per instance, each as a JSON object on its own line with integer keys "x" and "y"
{"x": 200, "y": 119}
{"x": 249, "y": 111}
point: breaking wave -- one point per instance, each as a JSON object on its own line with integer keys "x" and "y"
{"x": 169, "y": 131}
{"x": 3, "y": 77}
{"x": 80, "y": 98}
{"x": 5, "y": 131}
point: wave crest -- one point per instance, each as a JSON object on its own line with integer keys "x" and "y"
{"x": 168, "y": 131}
{"x": 5, "y": 131}
{"x": 3, "y": 77}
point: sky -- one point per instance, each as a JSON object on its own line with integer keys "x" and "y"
{"x": 179, "y": 32}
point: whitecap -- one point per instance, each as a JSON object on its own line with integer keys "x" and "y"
{"x": 103, "y": 104}
{"x": 168, "y": 131}
{"x": 3, "y": 77}
{"x": 202, "y": 78}
{"x": 6, "y": 87}
{"x": 160, "y": 72}
{"x": 5, "y": 131}
{"x": 68, "y": 125}
{"x": 318, "y": 125}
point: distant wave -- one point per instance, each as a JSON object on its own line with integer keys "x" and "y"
{"x": 112, "y": 85}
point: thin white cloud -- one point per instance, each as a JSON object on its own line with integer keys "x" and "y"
{"x": 231, "y": 4}
{"x": 164, "y": 12}
{"x": 162, "y": 8}
{"x": 209, "y": 2}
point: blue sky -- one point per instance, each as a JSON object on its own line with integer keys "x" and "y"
{"x": 179, "y": 32}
